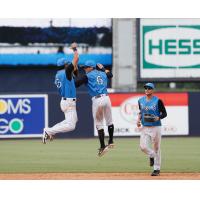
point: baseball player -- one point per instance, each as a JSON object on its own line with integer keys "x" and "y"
{"x": 96, "y": 78}
{"x": 64, "y": 81}
{"x": 152, "y": 110}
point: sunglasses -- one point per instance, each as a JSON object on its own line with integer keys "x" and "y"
{"x": 148, "y": 88}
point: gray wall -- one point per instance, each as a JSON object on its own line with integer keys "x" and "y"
{"x": 124, "y": 55}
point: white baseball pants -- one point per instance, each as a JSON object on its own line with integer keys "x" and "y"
{"x": 101, "y": 109}
{"x": 151, "y": 136}
{"x": 68, "y": 106}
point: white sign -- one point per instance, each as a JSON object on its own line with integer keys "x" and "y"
{"x": 125, "y": 112}
{"x": 169, "y": 48}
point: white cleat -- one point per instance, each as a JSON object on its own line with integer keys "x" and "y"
{"x": 111, "y": 146}
{"x": 102, "y": 151}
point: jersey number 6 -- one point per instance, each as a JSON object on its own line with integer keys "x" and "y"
{"x": 99, "y": 80}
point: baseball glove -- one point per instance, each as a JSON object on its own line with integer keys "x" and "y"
{"x": 149, "y": 118}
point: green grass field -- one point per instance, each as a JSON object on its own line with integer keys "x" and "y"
{"x": 80, "y": 155}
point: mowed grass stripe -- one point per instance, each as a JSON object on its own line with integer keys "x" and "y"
{"x": 80, "y": 155}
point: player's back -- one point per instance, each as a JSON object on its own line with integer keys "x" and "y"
{"x": 97, "y": 82}
{"x": 65, "y": 87}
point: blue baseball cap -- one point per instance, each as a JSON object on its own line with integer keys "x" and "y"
{"x": 62, "y": 61}
{"x": 151, "y": 85}
{"x": 90, "y": 63}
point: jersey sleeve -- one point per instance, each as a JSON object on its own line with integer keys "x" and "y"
{"x": 76, "y": 73}
{"x": 161, "y": 107}
{"x": 68, "y": 71}
{"x": 109, "y": 74}
{"x": 81, "y": 79}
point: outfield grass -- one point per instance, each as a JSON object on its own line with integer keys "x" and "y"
{"x": 80, "y": 155}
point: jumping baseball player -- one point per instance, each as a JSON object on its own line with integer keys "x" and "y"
{"x": 152, "y": 110}
{"x": 64, "y": 81}
{"x": 96, "y": 81}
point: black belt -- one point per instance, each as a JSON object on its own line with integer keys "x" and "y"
{"x": 68, "y": 98}
{"x": 100, "y": 95}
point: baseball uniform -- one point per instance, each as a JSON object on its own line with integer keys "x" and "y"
{"x": 151, "y": 128}
{"x": 67, "y": 90}
{"x": 64, "y": 81}
{"x": 96, "y": 81}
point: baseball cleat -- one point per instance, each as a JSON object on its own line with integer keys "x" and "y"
{"x": 155, "y": 173}
{"x": 45, "y": 136}
{"x": 50, "y": 137}
{"x": 111, "y": 145}
{"x": 102, "y": 151}
{"x": 151, "y": 161}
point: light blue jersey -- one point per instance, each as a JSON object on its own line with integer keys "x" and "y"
{"x": 65, "y": 87}
{"x": 149, "y": 107}
{"x": 97, "y": 82}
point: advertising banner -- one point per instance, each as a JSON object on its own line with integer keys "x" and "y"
{"x": 23, "y": 115}
{"x": 170, "y": 48}
{"x": 125, "y": 110}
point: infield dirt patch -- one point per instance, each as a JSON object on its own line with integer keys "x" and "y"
{"x": 100, "y": 176}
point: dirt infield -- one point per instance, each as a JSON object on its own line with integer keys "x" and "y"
{"x": 100, "y": 176}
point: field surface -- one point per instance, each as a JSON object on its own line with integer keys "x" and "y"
{"x": 77, "y": 159}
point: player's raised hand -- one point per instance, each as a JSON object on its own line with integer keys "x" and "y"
{"x": 76, "y": 56}
{"x": 73, "y": 46}
{"x": 100, "y": 66}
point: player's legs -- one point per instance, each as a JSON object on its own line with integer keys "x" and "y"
{"x": 145, "y": 142}
{"x": 69, "y": 124}
{"x": 156, "y": 141}
{"x": 97, "y": 110}
{"x": 109, "y": 120}
{"x": 110, "y": 132}
{"x": 66, "y": 125}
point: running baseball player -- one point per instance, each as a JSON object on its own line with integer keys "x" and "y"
{"x": 96, "y": 81}
{"x": 152, "y": 110}
{"x": 64, "y": 81}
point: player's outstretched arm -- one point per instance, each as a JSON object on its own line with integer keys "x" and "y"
{"x": 76, "y": 56}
